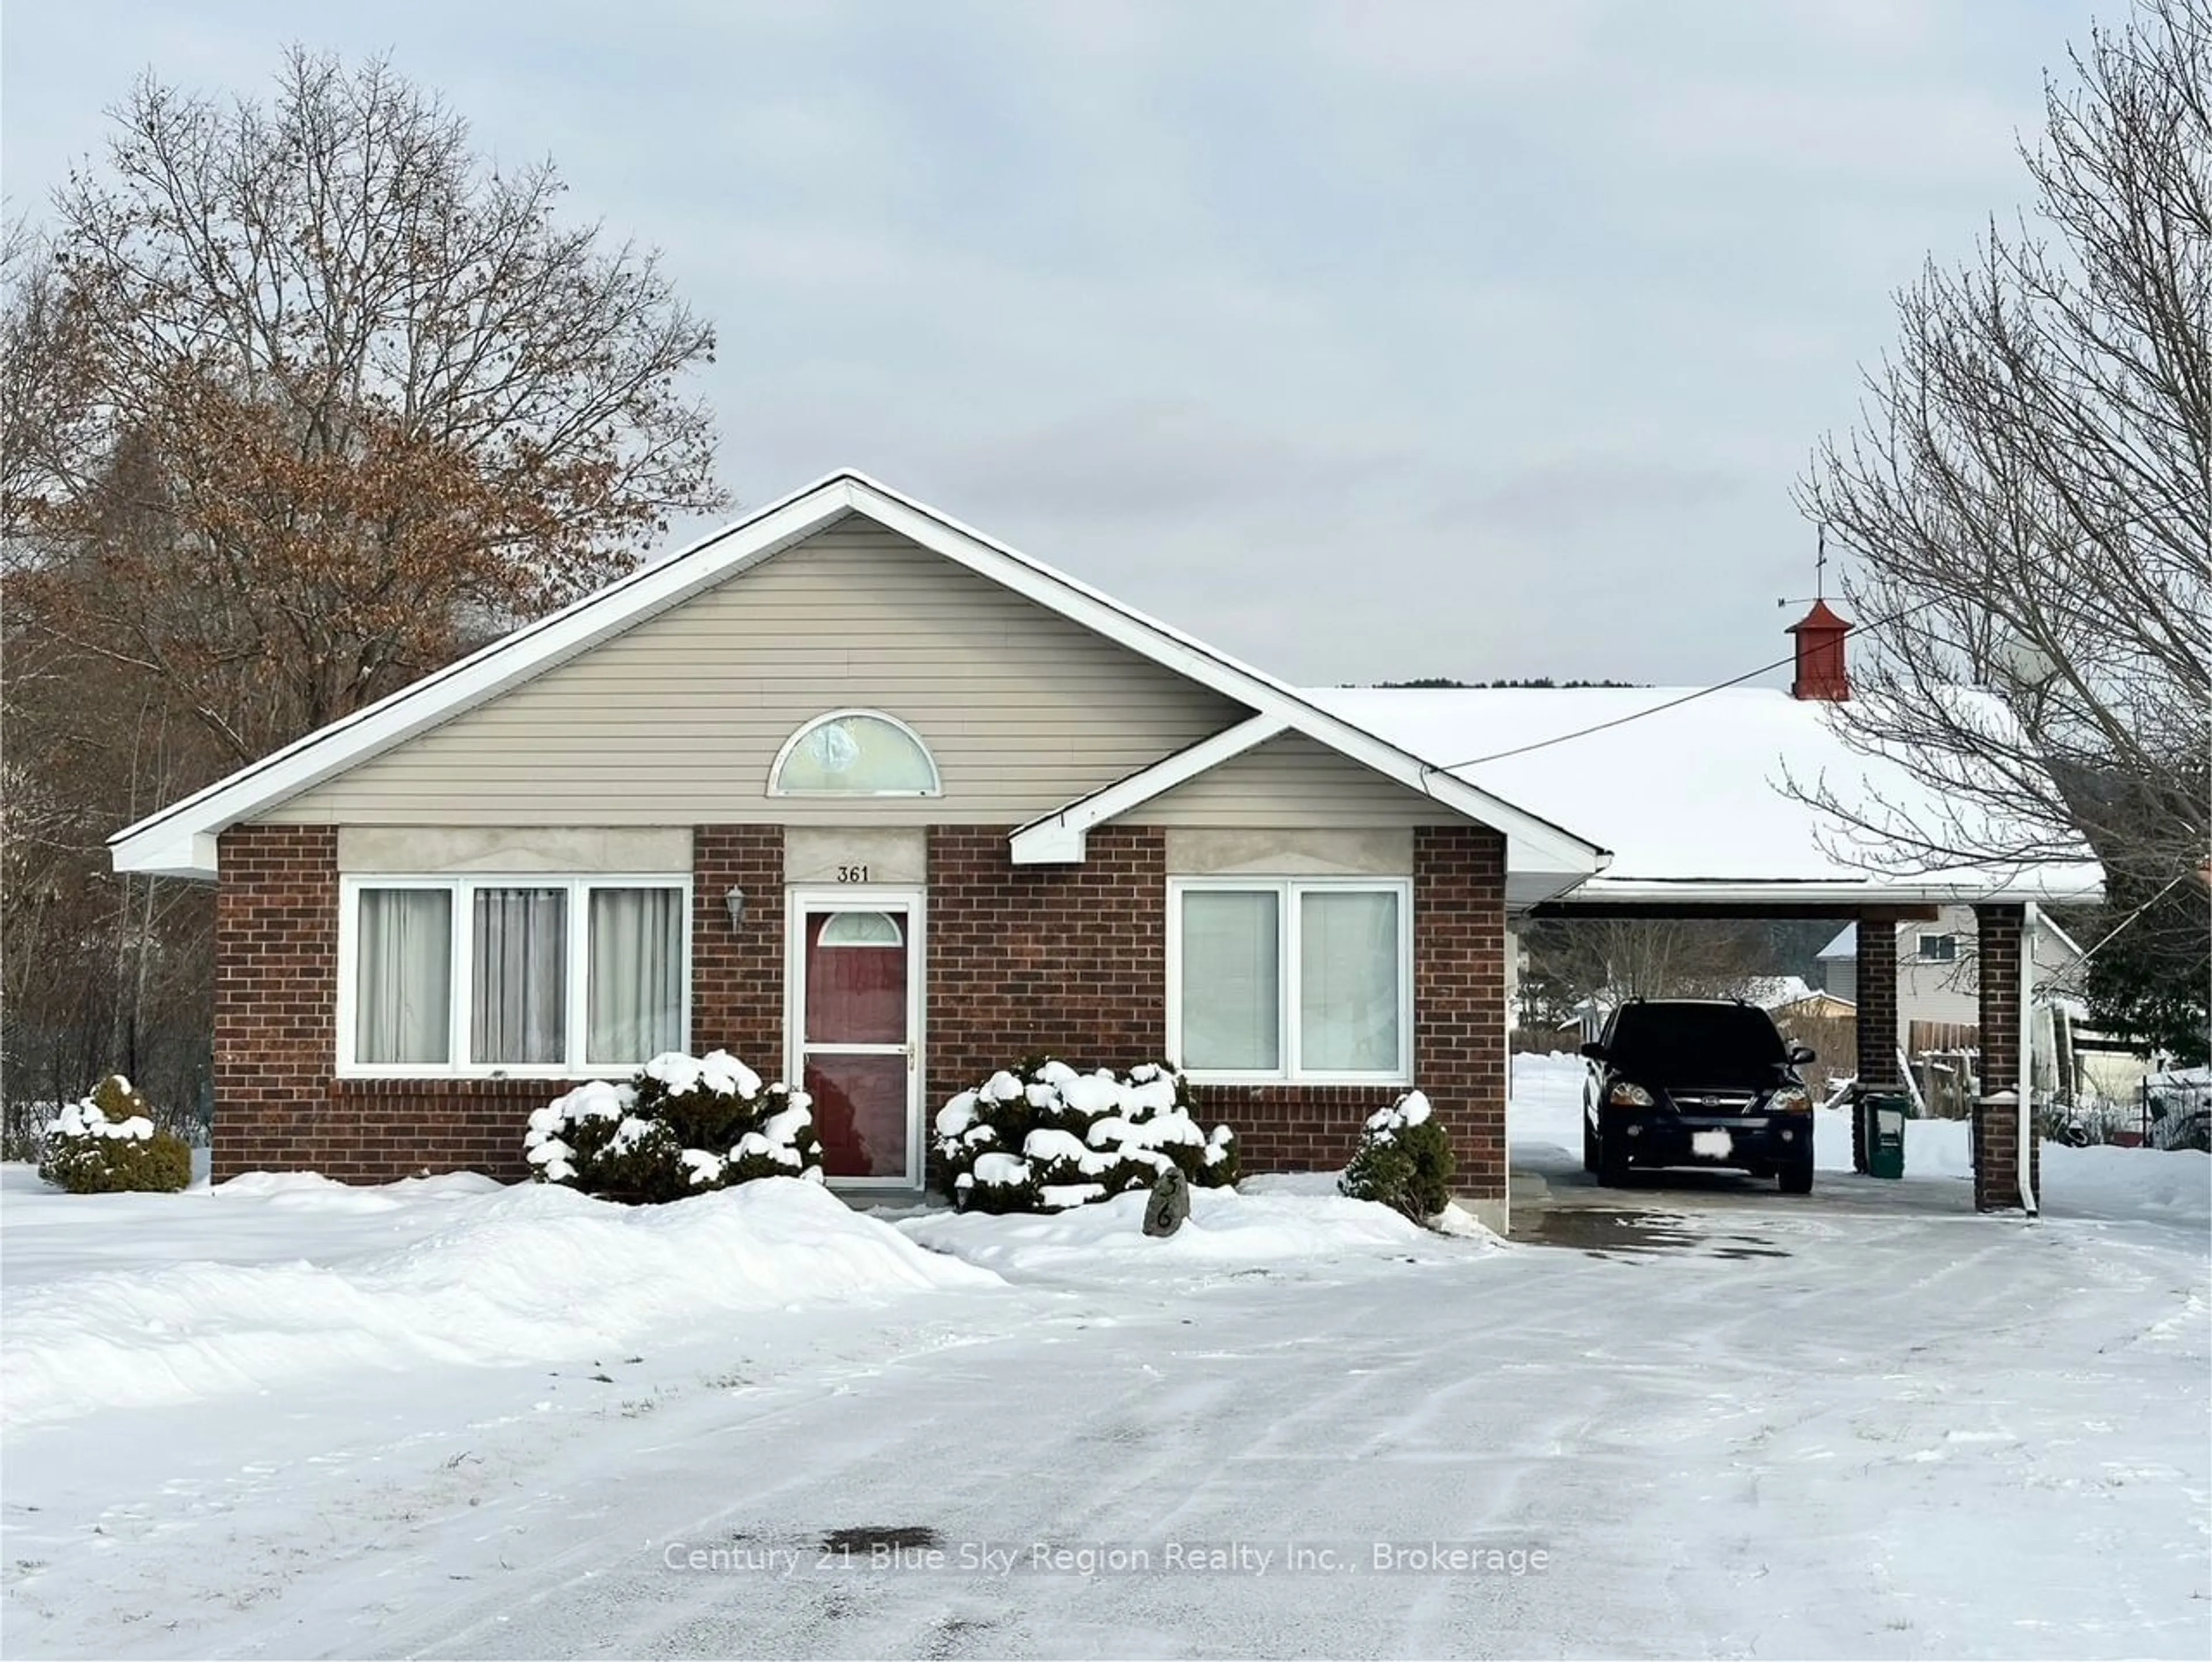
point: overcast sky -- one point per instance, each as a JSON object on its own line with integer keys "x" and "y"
{"x": 1365, "y": 341}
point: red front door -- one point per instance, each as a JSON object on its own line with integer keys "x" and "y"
{"x": 856, "y": 1041}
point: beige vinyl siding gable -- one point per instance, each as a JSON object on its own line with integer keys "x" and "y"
{"x": 1292, "y": 780}
{"x": 677, "y": 719}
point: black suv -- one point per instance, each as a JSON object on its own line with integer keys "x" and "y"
{"x": 1693, "y": 1082}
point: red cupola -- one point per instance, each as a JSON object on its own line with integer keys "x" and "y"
{"x": 1820, "y": 672}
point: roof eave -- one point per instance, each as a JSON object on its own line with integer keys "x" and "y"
{"x": 2068, "y": 885}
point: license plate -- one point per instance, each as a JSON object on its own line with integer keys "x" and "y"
{"x": 1711, "y": 1145}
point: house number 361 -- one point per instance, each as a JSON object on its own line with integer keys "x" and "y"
{"x": 852, "y": 873}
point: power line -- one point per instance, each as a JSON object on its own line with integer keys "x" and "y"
{"x": 1671, "y": 704}
{"x": 2109, "y": 934}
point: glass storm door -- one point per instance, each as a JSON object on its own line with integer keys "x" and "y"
{"x": 858, "y": 1011}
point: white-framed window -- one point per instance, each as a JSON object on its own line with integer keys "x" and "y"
{"x": 1291, "y": 978}
{"x": 1938, "y": 949}
{"x": 854, "y": 753}
{"x": 483, "y": 976}
{"x": 861, "y": 929}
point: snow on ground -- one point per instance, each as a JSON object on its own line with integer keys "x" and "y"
{"x": 1863, "y": 1423}
{"x": 1274, "y": 1222}
{"x": 451, "y": 1270}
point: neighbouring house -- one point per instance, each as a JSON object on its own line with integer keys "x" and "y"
{"x": 879, "y": 803}
{"x": 1937, "y": 985}
{"x": 1791, "y": 998}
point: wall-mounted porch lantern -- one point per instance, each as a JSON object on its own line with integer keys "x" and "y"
{"x": 735, "y": 900}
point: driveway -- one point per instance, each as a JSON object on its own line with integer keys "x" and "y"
{"x": 1722, "y": 1421}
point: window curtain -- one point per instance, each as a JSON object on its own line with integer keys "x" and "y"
{"x": 1348, "y": 1004}
{"x": 1231, "y": 977}
{"x": 520, "y": 988}
{"x": 635, "y": 989}
{"x": 402, "y": 1005}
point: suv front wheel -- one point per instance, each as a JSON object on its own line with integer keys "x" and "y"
{"x": 1797, "y": 1176}
{"x": 1612, "y": 1158}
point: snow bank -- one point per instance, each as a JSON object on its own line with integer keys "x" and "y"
{"x": 532, "y": 1273}
{"x": 1283, "y": 1222}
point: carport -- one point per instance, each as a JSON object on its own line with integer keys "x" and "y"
{"x": 1713, "y": 803}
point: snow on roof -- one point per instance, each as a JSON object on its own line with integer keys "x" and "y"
{"x": 1774, "y": 991}
{"x": 1845, "y": 945}
{"x": 1690, "y": 796}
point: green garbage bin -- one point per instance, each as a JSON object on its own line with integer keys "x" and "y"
{"x": 1885, "y": 1114}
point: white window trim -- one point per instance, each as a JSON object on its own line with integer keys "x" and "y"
{"x": 1922, "y": 941}
{"x": 775, "y": 786}
{"x": 1288, "y": 916}
{"x": 462, "y": 888}
{"x": 897, "y": 942}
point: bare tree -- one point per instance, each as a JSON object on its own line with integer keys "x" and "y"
{"x": 1610, "y": 959}
{"x": 2028, "y": 496}
{"x": 304, "y": 395}
{"x": 300, "y": 400}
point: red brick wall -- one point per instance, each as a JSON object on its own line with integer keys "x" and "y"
{"x": 1073, "y": 959}
{"x": 1067, "y": 958}
{"x": 1459, "y": 995}
{"x": 736, "y": 975}
{"x": 275, "y": 966}
{"x": 372, "y": 1130}
{"x": 277, "y": 1106}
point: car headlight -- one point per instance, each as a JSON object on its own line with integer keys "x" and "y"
{"x": 1791, "y": 1100}
{"x": 1627, "y": 1096}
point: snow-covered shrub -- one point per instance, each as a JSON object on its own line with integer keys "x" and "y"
{"x": 1046, "y": 1137}
{"x": 1404, "y": 1160}
{"x": 685, "y": 1125}
{"x": 108, "y": 1143}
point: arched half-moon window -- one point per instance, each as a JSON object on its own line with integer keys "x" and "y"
{"x": 854, "y": 753}
{"x": 861, "y": 929}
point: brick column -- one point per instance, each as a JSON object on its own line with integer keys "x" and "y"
{"x": 1997, "y": 1123}
{"x": 1877, "y": 1019}
{"x": 1459, "y": 995}
{"x": 276, "y": 1001}
{"x": 736, "y": 975}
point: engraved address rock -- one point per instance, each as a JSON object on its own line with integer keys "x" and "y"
{"x": 1169, "y": 1204}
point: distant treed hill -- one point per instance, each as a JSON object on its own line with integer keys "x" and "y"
{"x": 1432, "y": 683}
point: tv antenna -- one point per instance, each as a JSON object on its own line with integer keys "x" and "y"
{"x": 1819, "y": 571}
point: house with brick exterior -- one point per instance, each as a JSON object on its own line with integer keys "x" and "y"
{"x": 881, "y": 805}
{"x": 874, "y": 801}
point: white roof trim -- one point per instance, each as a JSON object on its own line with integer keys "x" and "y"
{"x": 179, "y": 840}
{"x": 1059, "y": 839}
{"x": 2050, "y": 927}
{"x": 1874, "y": 891}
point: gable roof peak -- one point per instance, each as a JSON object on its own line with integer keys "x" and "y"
{"x": 179, "y": 840}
